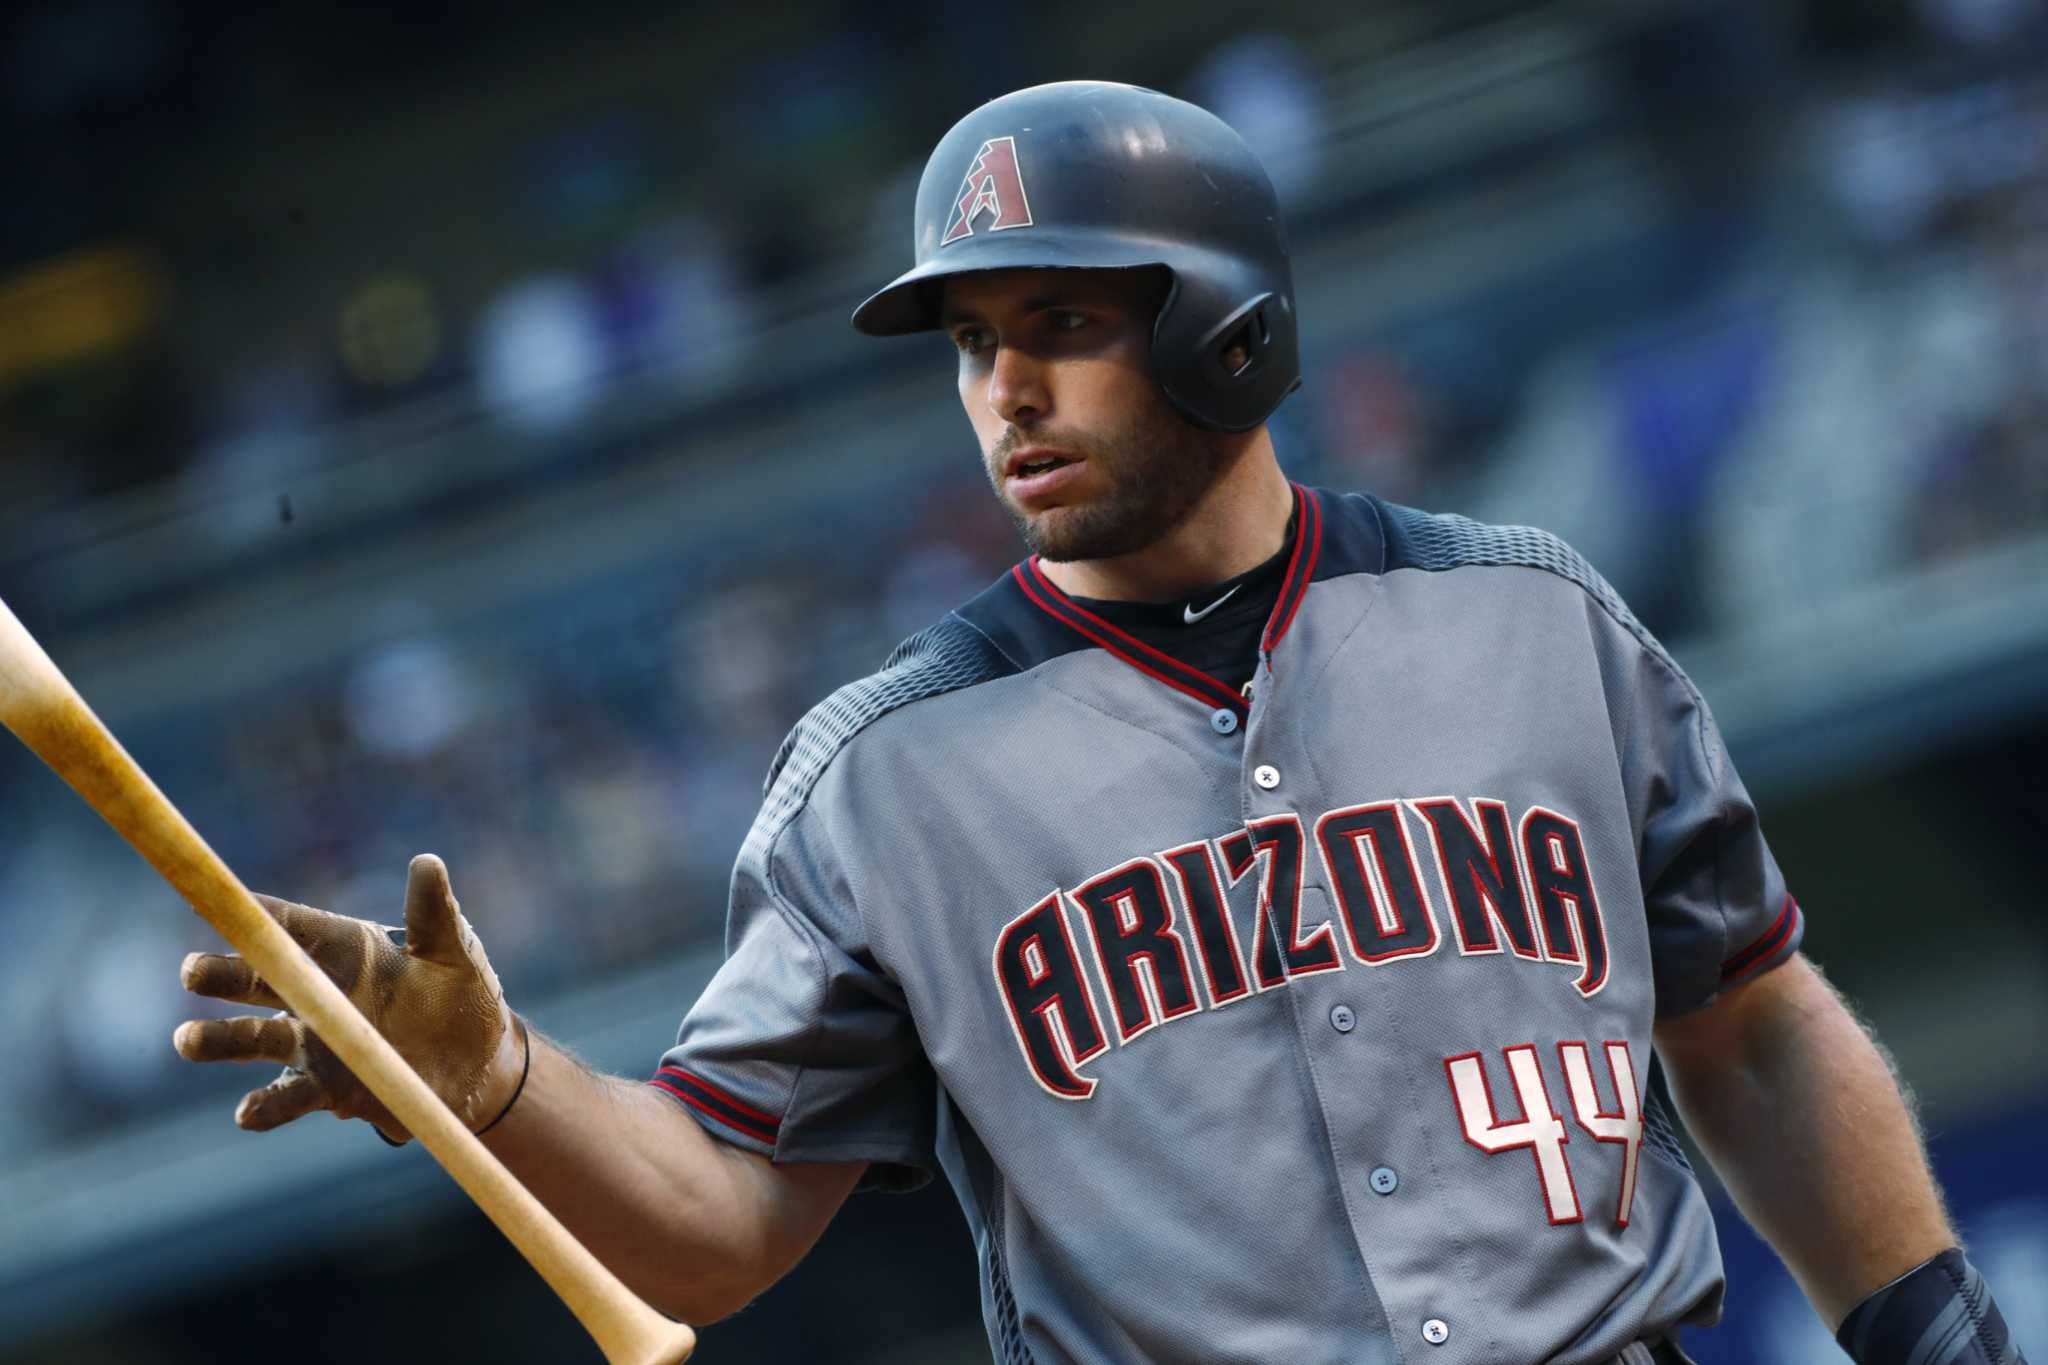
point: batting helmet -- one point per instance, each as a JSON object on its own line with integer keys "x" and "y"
{"x": 1095, "y": 175}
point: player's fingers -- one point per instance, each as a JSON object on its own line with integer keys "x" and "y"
{"x": 341, "y": 945}
{"x": 433, "y": 927}
{"x": 292, "y": 1095}
{"x": 242, "y": 1039}
{"x": 223, "y": 976}
{"x": 309, "y": 928}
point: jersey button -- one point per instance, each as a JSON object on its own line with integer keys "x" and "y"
{"x": 1436, "y": 1331}
{"x": 1223, "y": 721}
{"x": 1342, "y": 1019}
{"x": 1384, "y": 1181}
{"x": 1266, "y": 775}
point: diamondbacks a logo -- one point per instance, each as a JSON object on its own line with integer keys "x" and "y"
{"x": 993, "y": 185}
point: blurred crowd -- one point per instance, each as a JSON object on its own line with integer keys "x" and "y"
{"x": 1818, "y": 357}
{"x": 587, "y": 764}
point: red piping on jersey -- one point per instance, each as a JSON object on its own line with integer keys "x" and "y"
{"x": 703, "y": 1108}
{"x": 717, "y": 1103}
{"x": 1308, "y": 544}
{"x": 1768, "y": 943}
{"x": 1047, "y": 596}
{"x": 1160, "y": 666}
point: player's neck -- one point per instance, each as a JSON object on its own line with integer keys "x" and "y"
{"x": 1239, "y": 524}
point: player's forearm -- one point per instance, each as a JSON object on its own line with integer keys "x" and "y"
{"x": 653, "y": 1196}
{"x": 1805, "y": 1123}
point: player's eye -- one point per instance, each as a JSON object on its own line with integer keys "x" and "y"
{"x": 970, "y": 340}
{"x": 1067, "y": 320}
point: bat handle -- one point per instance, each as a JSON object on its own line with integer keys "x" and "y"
{"x": 39, "y": 704}
{"x": 657, "y": 1341}
{"x": 626, "y": 1329}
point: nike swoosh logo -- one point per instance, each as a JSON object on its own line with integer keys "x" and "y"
{"x": 1190, "y": 615}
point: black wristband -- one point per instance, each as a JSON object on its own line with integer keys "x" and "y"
{"x": 1938, "y": 1313}
{"x": 525, "y": 1066}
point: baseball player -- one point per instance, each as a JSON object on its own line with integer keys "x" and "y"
{"x": 1271, "y": 908}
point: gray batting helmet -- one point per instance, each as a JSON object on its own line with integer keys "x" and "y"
{"x": 1095, "y": 175}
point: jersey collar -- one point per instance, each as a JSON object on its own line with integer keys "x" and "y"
{"x": 1075, "y": 626}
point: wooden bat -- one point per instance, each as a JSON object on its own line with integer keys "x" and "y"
{"x": 40, "y": 706}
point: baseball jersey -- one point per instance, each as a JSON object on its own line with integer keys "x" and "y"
{"x": 1311, "y": 1025}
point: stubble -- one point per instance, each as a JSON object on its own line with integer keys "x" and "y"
{"x": 1158, "y": 467}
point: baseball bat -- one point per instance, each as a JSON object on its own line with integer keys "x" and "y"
{"x": 41, "y": 707}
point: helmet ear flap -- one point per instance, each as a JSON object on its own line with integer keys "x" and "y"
{"x": 1239, "y": 348}
{"x": 1236, "y": 348}
{"x": 1225, "y": 377}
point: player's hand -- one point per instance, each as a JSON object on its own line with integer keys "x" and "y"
{"x": 435, "y": 999}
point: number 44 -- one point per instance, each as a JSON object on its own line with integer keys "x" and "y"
{"x": 1542, "y": 1130}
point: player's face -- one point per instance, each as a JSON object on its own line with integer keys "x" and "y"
{"x": 1082, "y": 448}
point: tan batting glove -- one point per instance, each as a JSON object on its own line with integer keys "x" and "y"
{"x": 435, "y": 999}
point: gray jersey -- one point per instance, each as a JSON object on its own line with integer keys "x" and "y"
{"x": 1310, "y": 1028}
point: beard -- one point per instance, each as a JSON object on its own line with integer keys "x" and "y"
{"x": 1158, "y": 466}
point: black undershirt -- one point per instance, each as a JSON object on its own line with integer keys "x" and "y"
{"x": 1225, "y": 642}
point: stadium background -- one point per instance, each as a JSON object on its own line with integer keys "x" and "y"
{"x": 437, "y": 427}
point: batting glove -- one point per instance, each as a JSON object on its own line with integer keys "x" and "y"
{"x": 429, "y": 990}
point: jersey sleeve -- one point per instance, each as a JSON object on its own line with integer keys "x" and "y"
{"x": 1718, "y": 908}
{"x": 802, "y": 1047}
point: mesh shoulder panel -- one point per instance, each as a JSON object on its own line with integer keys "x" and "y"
{"x": 1008, "y": 1334}
{"x": 1660, "y": 1124}
{"x": 1437, "y": 542}
{"x": 1660, "y": 1129}
{"x": 944, "y": 658}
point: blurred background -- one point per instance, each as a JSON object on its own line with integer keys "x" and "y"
{"x": 437, "y": 427}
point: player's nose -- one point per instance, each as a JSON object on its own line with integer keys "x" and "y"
{"x": 1017, "y": 388}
